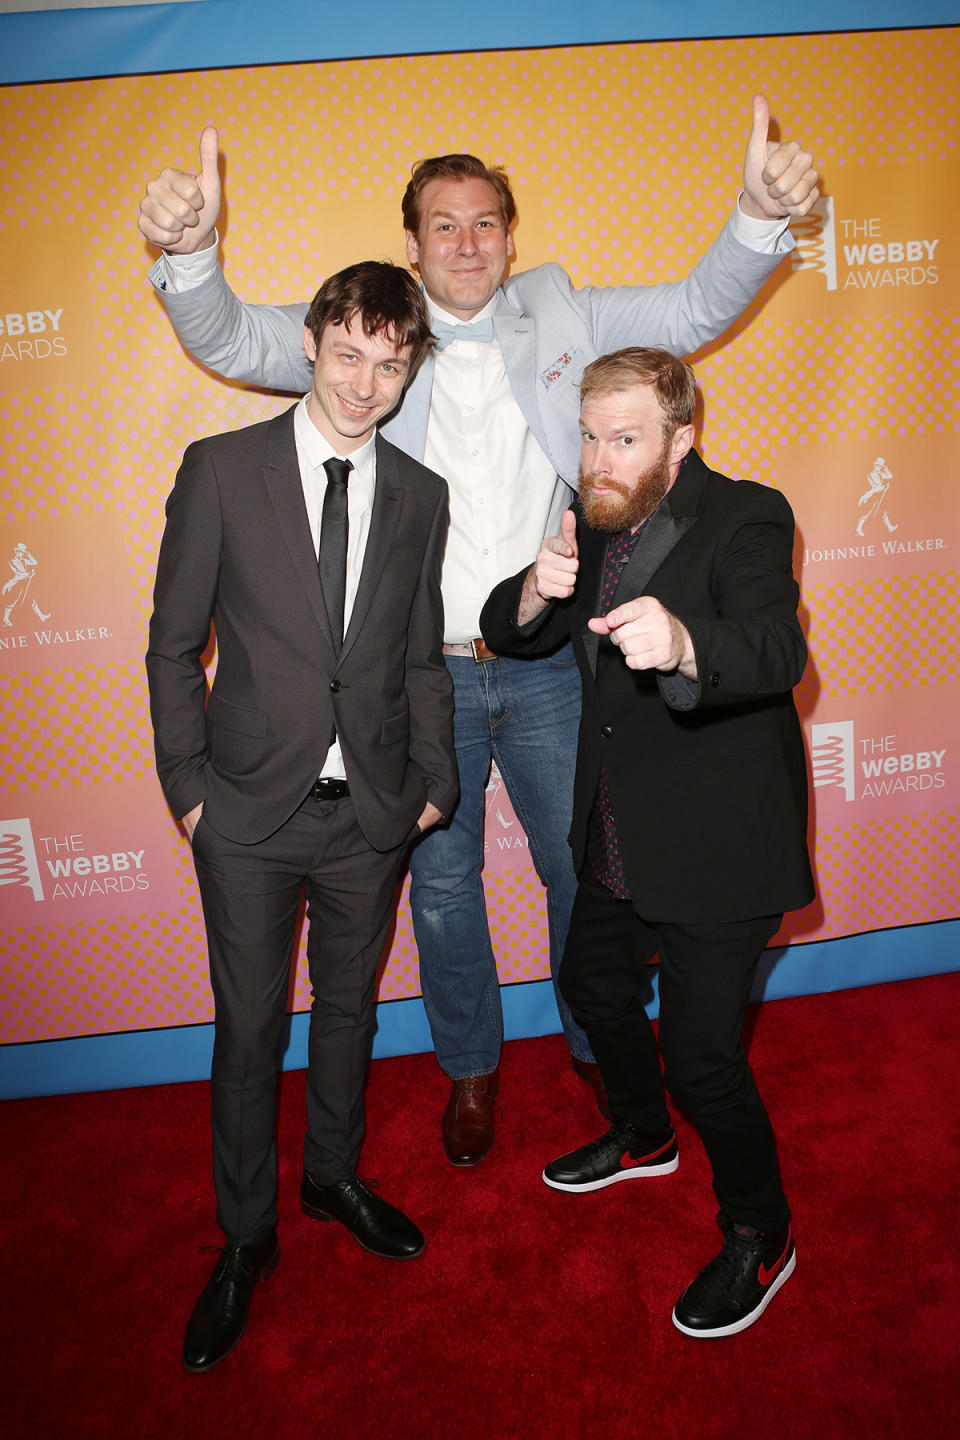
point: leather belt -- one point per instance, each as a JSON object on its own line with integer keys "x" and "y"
{"x": 328, "y": 789}
{"x": 478, "y": 649}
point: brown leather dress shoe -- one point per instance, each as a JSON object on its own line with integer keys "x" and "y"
{"x": 589, "y": 1070}
{"x": 467, "y": 1124}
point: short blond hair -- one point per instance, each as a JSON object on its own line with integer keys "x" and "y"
{"x": 673, "y": 381}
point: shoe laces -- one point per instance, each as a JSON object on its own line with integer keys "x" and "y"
{"x": 621, "y": 1135}
{"x": 355, "y": 1192}
{"x": 233, "y": 1263}
{"x": 740, "y": 1247}
{"x": 472, "y": 1085}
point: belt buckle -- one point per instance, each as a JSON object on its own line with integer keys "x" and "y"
{"x": 327, "y": 788}
{"x": 475, "y": 652}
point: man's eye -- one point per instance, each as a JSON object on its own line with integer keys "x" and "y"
{"x": 626, "y": 440}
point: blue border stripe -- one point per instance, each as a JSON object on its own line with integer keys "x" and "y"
{"x": 145, "y": 39}
{"x": 160, "y": 1057}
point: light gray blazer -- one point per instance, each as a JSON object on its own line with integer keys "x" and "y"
{"x": 548, "y": 333}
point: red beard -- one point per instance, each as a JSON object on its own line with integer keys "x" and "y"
{"x": 630, "y": 505}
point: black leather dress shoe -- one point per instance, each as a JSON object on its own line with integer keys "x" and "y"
{"x": 378, "y": 1226}
{"x": 220, "y": 1315}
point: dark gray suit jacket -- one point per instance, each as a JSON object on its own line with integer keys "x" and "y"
{"x": 237, "y": 550}
{"x": 708, "y": 779}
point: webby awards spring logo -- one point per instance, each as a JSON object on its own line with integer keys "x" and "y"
{"x": 868, "y": 253}
{"x": 18, "y": 858}
{"x": 871, "y": 767}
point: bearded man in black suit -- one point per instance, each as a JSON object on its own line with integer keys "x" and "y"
{"x": 675, "y": 586}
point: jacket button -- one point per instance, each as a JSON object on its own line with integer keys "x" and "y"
{"x": 715, "y": 678}
{"x": 606, "y": 731}
{"x": 335, "y": 686}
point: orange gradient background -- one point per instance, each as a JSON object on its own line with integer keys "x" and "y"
{"x": 625, "y": 161}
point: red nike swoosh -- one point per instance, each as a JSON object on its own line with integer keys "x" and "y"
{"x": 627, "y": 1161}
{"x": 764, "y": 1275}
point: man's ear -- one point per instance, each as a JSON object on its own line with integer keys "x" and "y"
{"x": 309, "y": 344}
{"x": 681, "y": 443}
{"x": 413, "y": 248}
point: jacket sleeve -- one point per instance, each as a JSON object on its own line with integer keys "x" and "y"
{"x": 752, "y": 645}
{"x": 259, "y": 344}
{"x": 183, "y": 602}
{"x": 498, "y": 622}
{"x": 427, "y": 679}
{"x": 682, "y": 315}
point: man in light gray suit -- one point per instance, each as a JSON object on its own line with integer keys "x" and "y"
{"x": 495, "y": 412}
{"x": 324, "y": 749}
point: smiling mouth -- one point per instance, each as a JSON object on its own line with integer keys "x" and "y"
{"x": 357, "y": 412}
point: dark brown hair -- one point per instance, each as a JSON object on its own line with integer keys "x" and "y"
{"x": 386, "y": 297}
{"x": 455, "y": 167}
{"x": 672, "y": 380}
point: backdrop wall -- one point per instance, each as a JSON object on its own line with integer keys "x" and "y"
{"x": 838, "y": 388}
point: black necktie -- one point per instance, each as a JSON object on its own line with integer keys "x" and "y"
{"x": 333, "y": 544}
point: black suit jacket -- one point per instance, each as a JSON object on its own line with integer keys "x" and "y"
{"x": 708, "y": 779}
{"x": 237, "y": 550}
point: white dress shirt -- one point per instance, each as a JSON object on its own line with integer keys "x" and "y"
{"x": 312, "y": 450}
{"x": 504, "y": 492}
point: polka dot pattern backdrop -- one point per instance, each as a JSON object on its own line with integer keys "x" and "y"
{"x": 622, "y": 174}
{"x": 882, "y": 659}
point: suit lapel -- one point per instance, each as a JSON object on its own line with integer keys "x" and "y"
{"x": 407, "y": 429}
{"x": 593, "y": 557}
{"x": 661, "y": 535}
{"x": 516, "y": 335}
{"x": 384, "y": 521}
{"x": 281, "y": 474}
{"x": 669, "y": 523}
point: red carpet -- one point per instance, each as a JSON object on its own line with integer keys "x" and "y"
{"x": 532, "y": 1313}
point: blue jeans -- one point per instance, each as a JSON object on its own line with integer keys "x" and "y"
{"x": 525, "y": 715}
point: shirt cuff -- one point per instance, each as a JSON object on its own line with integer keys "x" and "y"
{"x": 759, "y": 235}
{"x": 679, "y": 691}
{"x": 186, "y": 272}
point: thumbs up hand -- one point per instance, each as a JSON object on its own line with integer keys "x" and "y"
{"x": 555, "y": 572}
{"x": 179, "y": 210}
{"x": 778, "y": 180}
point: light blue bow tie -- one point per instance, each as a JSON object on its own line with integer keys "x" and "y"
{"x": 480, "y": 330}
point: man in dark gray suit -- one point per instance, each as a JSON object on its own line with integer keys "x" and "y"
{"x": 325, "y": 748}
